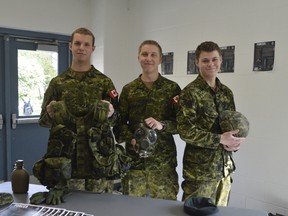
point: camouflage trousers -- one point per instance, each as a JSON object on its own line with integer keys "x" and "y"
{"x": 95, "y": 185}
{"x": 217, "y": 190}
{"x": 155, "y": 184}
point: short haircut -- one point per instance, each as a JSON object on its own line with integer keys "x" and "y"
{"x": 150, "y": 42}
{"x": 207, "y": 46}
{"x": 83, "y": 31}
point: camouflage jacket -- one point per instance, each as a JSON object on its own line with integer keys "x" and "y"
{"x": 136, "y": 103}
{"x": 198, "y": 126}
{"x": 80, "y": 96}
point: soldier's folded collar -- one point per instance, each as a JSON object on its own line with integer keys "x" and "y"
{"x": 200, "y": 206}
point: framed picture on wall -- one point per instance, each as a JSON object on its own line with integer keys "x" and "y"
{"x": 264, "y": 53}
{"x": 191, "y": 66}
{"x": 228, "y": 59}
{"x": 167, "y": 63}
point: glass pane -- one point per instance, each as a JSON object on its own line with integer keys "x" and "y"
{"x": 35, "y": 70}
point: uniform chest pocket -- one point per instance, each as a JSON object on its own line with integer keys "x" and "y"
{"x": 210, "y": 110}
{"x": 138, "y": 101}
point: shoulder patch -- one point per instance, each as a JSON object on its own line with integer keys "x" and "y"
{"x": 175, "y": 99}
{"x": 113, "y": 93}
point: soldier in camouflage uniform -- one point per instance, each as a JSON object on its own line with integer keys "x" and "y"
{"x": 207, "y": 162}
{"x": 79, "y": 106}
{"x": 150, "y": 99}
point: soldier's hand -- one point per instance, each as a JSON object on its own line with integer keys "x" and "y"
{"x": 227, "y": 148}
{"x": 111, "y": 108}
{"x": 49, "y": 109}
{"x": 153, "y": 123}
{"x": 230, "y": 142}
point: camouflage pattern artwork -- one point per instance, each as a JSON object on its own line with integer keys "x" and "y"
{"x": 198, "y": 124}
{"x": 80, "y": 130}
{"x": 137, "y": 102}
{"x": 233, "y": 120}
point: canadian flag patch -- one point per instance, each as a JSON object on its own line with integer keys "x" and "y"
{"x": 113, "y": 93}
{"x": 175, "y": 99}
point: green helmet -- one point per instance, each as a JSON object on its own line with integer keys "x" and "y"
{"x": 233, "y": 120}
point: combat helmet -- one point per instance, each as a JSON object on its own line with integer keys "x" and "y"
{"x": 233, "y": 120}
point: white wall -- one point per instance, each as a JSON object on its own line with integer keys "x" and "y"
{"x": 54, "y": 16}
{"x": 261, "y": 179}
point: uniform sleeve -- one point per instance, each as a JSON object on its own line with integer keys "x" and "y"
{"x": 188, "y": 125}
{"x": 49, "y": 95}
{"x": 121, "y": 129}
{"x": 170, "y": 122}
{"x": 111, "y": 95}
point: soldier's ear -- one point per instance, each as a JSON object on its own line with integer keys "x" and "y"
{"x": 197, "y": 62}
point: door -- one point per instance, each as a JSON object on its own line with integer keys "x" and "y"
{"x": 2, "y": 128}
{"x": 29, "y": 65}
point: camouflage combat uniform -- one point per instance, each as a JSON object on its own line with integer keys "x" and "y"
{"x": 74, "y": 122}
{"x": 206, "y": 165}
{"x": 154, "y": 176}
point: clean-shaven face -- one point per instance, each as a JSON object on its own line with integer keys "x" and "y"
{"x": 149, "y": 58}
{"x": 82, "y": 47}
{"x": 209, "y": 63}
